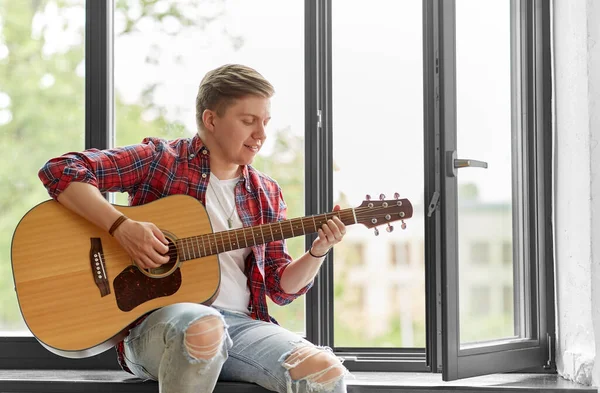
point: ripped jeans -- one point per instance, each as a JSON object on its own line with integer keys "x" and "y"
{"x": 165, "y": 348}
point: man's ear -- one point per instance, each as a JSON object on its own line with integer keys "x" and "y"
{"x": 208, "y": 119}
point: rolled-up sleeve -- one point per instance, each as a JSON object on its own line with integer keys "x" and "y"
{"x": 111, "y": 170}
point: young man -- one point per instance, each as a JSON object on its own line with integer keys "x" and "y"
{"x": 187, "y": 347}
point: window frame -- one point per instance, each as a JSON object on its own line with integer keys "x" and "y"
{"x": 534, "y": 86}
{"x": 99, "y": 126}
{"x": 319, "y": 198}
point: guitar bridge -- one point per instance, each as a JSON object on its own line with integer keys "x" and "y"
{"x": 98, "y": 266}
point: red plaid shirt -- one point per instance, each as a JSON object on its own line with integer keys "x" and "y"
{"x": 157, "y": 168}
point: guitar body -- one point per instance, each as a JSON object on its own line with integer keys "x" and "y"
{"x": 77, "y": 288}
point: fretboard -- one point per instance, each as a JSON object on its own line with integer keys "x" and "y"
{"x": 218, "y": 242}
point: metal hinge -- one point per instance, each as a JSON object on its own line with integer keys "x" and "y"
{"x": 319, "y": 118}
{"x": 434, "y": 203}
{"x": 550, "y": 341}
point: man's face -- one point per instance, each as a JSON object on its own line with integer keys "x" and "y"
{"x": 240, "y": 132}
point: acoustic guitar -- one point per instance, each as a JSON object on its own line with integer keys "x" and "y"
{"x": 78, "y": 290}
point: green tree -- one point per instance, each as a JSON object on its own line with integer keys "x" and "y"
{"x": 42, "y": 101}
{"x": 42, "y": 115}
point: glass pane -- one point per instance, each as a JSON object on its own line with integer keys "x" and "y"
{"x": 162, "y": 52}
{"x": 485, "y": 196}
{"x": 378, "y": 148}
{"x": 42, "y": 115}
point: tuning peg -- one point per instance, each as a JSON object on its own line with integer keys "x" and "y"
{"x": 403, "y": 226}
{"x": 368, "y": 197}
{"x": 376, "y": 231}
{"x": 381, "y": 196}
{"x": 396, "y": 195}
{"x": 389, "y": 228}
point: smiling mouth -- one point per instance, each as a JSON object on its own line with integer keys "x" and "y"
{"x": 253, "y": 148}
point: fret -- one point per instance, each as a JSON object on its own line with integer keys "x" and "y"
{"x": 271, "y": 229}
{"x": 181, "y": 249}
{"x": 320, "y": 222}
{"x": 203, "y": 246}
{"x": 291, "y": 227}
{"x": 209, "y": 246}
{"x": 315, "y": 224}
{"x": 178, "y": 249}
{"x": 257, "y": 234}
{"x": 236, "y": 240}
{"x": 191, "y": 247}
{"x": 262, "y": 234}
{"x": 231, "y": 243}
{"x": 245, "y": 236}
{"x": 184, "y": 250}
{"x": 303, "y": 230}
{"x": 296, "y": 223}
{"x": 223, "y": 242}
{"x": 281, "y": 229}
{"x": 252, "y": 233}
{"x": 187, "y": 248}
{"x": 198, "y": 247}
{"x": 216, "y": 245}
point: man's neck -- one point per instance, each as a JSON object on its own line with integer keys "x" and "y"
{"x": 220, "y": 167}
{"x": 224, "y": 171}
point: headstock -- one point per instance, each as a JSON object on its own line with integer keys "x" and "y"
{"x": 372, "y": 213}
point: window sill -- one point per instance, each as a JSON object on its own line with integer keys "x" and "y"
{"x": 75, "y": 381}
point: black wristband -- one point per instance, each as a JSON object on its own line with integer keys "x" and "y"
{"x": 317, "y": 256}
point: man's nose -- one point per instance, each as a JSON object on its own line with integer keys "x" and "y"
{"x": 260, "y": 133}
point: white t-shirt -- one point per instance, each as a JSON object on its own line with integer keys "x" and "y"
{"x": 234, "y": 294}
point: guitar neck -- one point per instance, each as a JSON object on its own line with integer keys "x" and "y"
{"x": 218, "y": 242}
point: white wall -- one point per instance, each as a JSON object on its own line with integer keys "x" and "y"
{"x": 577, "y": 111}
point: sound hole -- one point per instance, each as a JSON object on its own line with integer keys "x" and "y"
{"x": 167, "y": 268}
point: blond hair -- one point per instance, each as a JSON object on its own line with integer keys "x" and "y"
{"x": 222, "y": 86}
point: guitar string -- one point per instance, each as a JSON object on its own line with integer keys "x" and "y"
{"x": 360, "y": 212}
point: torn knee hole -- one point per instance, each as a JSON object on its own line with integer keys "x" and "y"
{"x": 314, "y": 365}
{"x": 204, "y": 337}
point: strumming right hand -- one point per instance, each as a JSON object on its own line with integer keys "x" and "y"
{"x": 144, "y": 243}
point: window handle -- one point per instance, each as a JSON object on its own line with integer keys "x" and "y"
{"x": 460, "y": 163}
{"x": 457, "y": 163}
